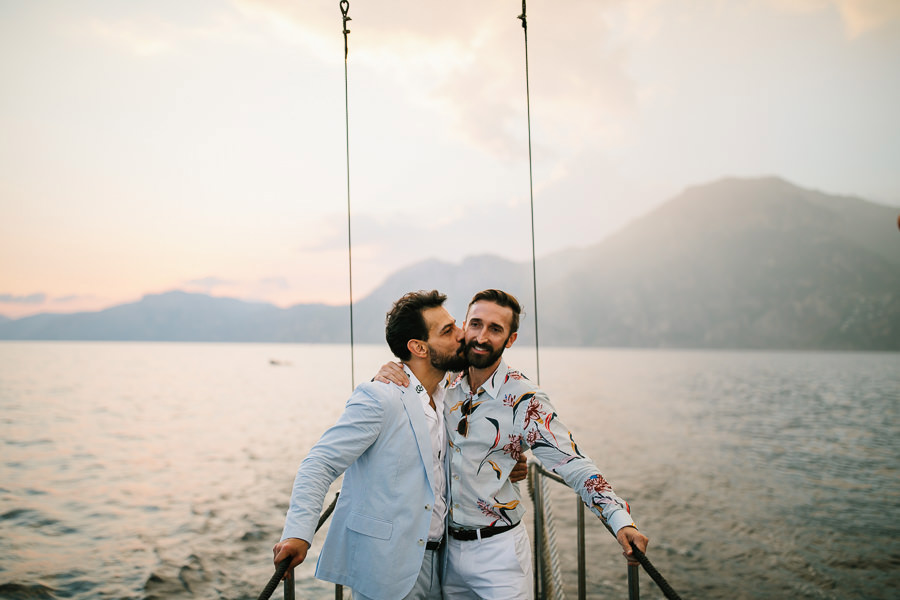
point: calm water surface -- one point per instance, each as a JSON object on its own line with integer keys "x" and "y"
{"x": 163, "y": 470}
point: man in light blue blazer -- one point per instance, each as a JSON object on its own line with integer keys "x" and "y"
{"x": 389, "y": 521}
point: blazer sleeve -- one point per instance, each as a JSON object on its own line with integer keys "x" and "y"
{"x": 356, "y": 429}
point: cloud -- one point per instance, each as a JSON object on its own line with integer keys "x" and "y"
{"x": 862, "y": 16}
{"x": 74, "y": 299}
{"x": 150, "y": 35}
{"x": 208, "y": 283}
{"x": 279, "y": 284}
{"x": 142, "y": 39}
{"x": 859, "y": 16}
{"x": 38, "y": 298}
{"x": 257, "y": 289}
{"x": 468, "y": 63}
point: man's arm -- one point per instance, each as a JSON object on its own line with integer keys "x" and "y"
{"x": 552, "y": 442}
{"x": 356, "y": 430}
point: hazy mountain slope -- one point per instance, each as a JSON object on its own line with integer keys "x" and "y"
{"x": 738, "y": 263}
{"x": 180, "y": 316}
{"x": 459, "y": 282}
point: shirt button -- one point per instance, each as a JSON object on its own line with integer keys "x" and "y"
{"x": 456, "y": 506}
{"x": 456, "y": 477}
{"x": 421, "y": 542}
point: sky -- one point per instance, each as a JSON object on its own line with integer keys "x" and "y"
{"x": 202, "y": 146}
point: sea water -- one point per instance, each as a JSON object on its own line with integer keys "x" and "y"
{"x": 156, "y": 470}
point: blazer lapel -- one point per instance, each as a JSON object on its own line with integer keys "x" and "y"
{"x": 413, "y": 405}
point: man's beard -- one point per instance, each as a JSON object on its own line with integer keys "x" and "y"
{"x": 480, "y": 361}
{"x": 455, "y": 361}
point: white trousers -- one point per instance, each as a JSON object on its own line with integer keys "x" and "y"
{"x": 494, "y": 568}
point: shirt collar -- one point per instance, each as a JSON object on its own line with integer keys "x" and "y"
{"x": 419, "y": 389}
{"x": 491, "y": 385}
{"x": 454, "y": 378}
{"x": 497, "y": 378}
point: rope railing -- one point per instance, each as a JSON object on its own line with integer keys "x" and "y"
{"x": 549, "y": 579}
{"x": 537, "y": 470}
{"x": 282, "y": 567}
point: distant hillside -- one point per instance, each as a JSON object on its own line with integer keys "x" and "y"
{"x": 182, "y": 317}
{"x": 737, "y": 263}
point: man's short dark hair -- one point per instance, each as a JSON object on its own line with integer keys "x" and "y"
{"x": 500, "y": 298}
{"x": 405, "y": 320}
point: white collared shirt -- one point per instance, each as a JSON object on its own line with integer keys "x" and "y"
{"x": 435, "y": 419}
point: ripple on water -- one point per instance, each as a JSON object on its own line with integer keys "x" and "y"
{"x": 35, "y": 519}
{"x": 172, "y": 580}
{"x": 27, "y": 591}
{"x": 763, "y": 475}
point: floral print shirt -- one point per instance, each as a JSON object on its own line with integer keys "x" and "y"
{"x": 487, "y": 431}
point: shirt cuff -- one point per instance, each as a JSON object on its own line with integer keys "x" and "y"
{"x": 620, "y": 519}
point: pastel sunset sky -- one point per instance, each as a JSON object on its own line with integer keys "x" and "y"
{"x": 200, "y": 145}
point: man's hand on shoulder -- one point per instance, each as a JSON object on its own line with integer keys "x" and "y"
{"x": 519, "y": 470}
{"x": 293, "y": 548}
{"x": 392, "y": 372}
{"x": 629, "y": 534}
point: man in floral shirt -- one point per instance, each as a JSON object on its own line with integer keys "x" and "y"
{"x": 493, "y": 414}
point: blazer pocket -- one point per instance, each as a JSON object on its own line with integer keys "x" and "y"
{"x": 370, "y": 526}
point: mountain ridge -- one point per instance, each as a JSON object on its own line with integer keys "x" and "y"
{"x": 736, "y": 263}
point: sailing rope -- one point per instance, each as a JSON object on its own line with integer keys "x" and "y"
{"x": 550, "y": 563}
{"x": 655, "y": 575}
{"x": 282, "y": 567}
{"x": 551, "y": 573}
{"x": 537, "y": 356}
{"x": 549, "y": 552}
{"x": 345, "y": 8}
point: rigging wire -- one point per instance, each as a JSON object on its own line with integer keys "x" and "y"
{"x": 640, "y": 556}
{"x": 537, "y": 355}
{"x": 345, "y": 8}
{"x": 281, "y": 568}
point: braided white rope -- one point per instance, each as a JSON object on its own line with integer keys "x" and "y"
{"x": 553, "y": 574}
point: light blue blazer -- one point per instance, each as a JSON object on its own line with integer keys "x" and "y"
{"x": 376, "y": 539}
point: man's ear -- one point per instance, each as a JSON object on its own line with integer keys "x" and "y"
{"x": 512, "y": 339}
{"x": 417, "y": 348}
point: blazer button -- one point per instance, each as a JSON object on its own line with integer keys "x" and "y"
{"x": 427, "y": 507}
{"x": 421, "y": 542}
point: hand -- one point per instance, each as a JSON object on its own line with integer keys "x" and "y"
{"x": 520, "y": 470}
{"x": 393, "y": 373}
{"x": 629, "y": 534}
{"x": 291, "y": 547}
